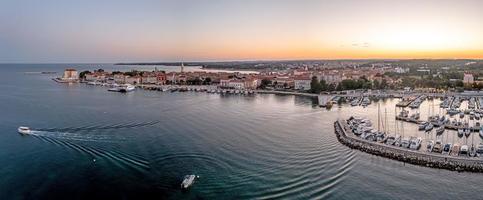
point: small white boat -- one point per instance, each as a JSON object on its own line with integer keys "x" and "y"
{"x": 188, "y": 181}
{"x": 24, "y": 130}
{"x": 415, "y": 143}
{"x": 430, "y": 145}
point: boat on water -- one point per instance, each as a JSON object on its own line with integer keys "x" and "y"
{"x": 446, "y": 149}
{"x": 464, "y": 150}
{"x": 122, "y": 88}
{"x": 456, "y": 150}
{"x": 23, "y": 130}
{"x": 405, "y": 142}
{"x": 461, "y": 132}
{"x": 188, "y": 181}
{"x": 422, "y": 126}
{"x": 467, "y": 131}
{"x": 438, "y": 148}
{"x": 392, "y": 139}
{"x": 440, "y": 130}
{"x": 430, "y": 145}
{"x": 429, "y": 127}
{"x": 415, "y": 143}
{"x": 479, "y": 151}
{"x": 472, "y": 152}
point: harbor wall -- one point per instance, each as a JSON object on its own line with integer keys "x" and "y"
{"x": 406, "y": 155}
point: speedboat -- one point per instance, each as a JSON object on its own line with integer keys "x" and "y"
{"x": 415, "y": 143}
{"x": 464, "y": 150}
{"x": 461, "y": 131}
{"x": 429, "y": 127}
{"x": 440, "y": 130}
{"x": 405, "y": 142}
{"x": 422, "y": 126}
{"x": 472, "y": 152}
{"x": 392, "y": 139}
{"x": 438, "y": 147}
{"x": 188, "y": 181}
{"x": 456, "y": 150}
{"x": 24, "y": 130}
{"x": 447, "y": 149}
{"x": 429, "y": 146}
{"x": 467, "y": 132}
{"x": 479, "y": 151}
{"x": 126, "y": 88}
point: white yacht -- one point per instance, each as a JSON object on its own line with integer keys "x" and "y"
{"x": 188, "y": 181}
{"x": 415, "y": 143}
{"x": 430, "y": 145}
{"x": 126, "y": 88}
{"x": 24, "y": 130}
{"x": 122, "y": 88}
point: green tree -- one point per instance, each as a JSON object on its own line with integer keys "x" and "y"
{"x": 82, "y": 75}
{"x": 323, "y": 85}
{"x": 315, "y": 86}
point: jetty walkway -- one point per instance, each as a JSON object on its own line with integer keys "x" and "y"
{"x": 406, "y": 155}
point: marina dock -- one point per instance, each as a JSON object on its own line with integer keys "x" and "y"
{"x": 406, "y": 155}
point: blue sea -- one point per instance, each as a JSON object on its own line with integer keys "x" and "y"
{"x": 87, "y": 143}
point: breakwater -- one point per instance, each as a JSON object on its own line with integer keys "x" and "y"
{"x": 406, "y": 155}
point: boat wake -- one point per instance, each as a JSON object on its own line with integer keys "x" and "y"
{"x": 100, "y": 127}
{"x": 77, "y": 136}
{"x": 115, "y": 157}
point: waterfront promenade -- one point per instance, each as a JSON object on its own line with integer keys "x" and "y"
{"x": 406, "y": 155}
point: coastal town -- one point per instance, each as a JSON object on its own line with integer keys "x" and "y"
{"x": 302, "y": 77}
{"x": 460, "y": 103}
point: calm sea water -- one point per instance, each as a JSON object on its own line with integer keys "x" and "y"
{"x": 90, "y": 143}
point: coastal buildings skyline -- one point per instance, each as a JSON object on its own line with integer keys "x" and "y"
{"x": 149, "y": 31}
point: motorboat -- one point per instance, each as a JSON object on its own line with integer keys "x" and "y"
{"x": 405, "y": 142}
{"x": 23, "y": 130}
{"x": 122, "y": 88}
{"x": 461, "y": 132}
{"x": 415, "y": 143}
{"x": 422, "y": 126}
{"x": 455, "y": 151}
{"x": 438, "y": 148}
{"x": 446, "y": 149}
{"x": 392, "y": 139}
{"x": 188, "y": 181}
{"x": 126, "y": 88}
{"x": 472, "y": 152}
{"x": 464, "y": 150}
{"x": 467, "y": 131}
{"x": 430, "y": 145}
{"x": 440, "y": 130}
{"x": 429, "y": 127}
{"x": 479, "y": 151}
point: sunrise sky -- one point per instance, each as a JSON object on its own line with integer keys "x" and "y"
{"x": 215, "y": 30}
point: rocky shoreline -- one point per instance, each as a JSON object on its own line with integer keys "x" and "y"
{"x": 412, "y": 157}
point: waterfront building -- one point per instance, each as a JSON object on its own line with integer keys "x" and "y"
{"x": 149, "y": 79}
{"x": 302, "y": 83}
{"x": 70, "y": 75}
{"x": 119, "y": 78}
{"x": 133, "y": 79}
